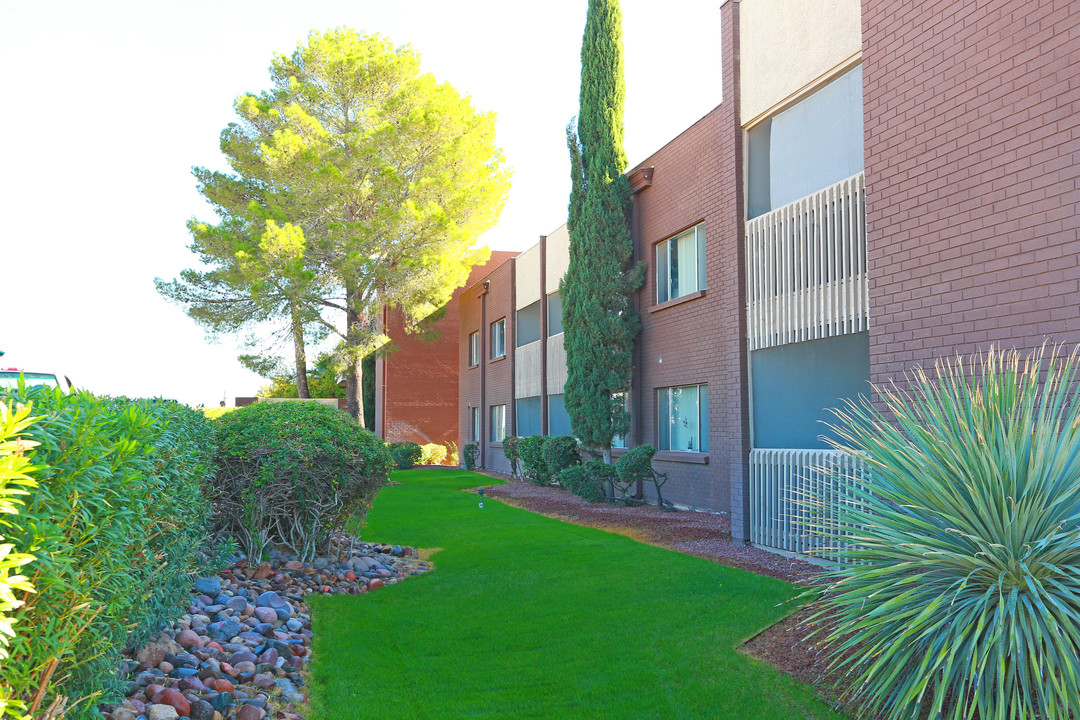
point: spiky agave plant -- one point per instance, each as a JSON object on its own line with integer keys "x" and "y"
{"x": 963, "y": 594}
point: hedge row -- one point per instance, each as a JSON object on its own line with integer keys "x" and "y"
{"x": 114, "y": 527}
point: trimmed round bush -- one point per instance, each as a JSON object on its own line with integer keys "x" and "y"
{"x": 578, "y": 480}
{"x": 406, "y": 454}
{"x": 512, "y": 453}
{"x": 290, "y": 474}
{"x": 960, "y": 594}
{"x": 532, "y": 459}
{"x": 470, "y": 453}
{"x": 561, "y": 452}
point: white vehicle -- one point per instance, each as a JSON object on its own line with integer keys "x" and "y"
{"x": 9, "y": 379}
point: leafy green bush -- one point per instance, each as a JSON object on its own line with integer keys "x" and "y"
{"x": 432, "y": 454}
{"x": 293, "y": 473}
{"x": 406, "y": 454}
{"x": 115, "y": 527}
{"x": 14, "y": 482}
{"x": 512, "y": 453}
{"x": 961, "y": 597}
{"x": 579, "y": 480}
{"x": 532, "y": 459}
{"x": 635, "y": 466}
{"x": 452, "y": 453}
{"x": 471, "y": 452}
{"x": 561, "y": 452}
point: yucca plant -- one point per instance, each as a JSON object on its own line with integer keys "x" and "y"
{"x": 960, "y": 592}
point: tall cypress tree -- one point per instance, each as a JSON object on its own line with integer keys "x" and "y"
{"x": 599, "y": 321}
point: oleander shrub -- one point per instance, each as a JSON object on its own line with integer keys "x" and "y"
{"x": 432, "y": 454}
{"x": 960, "y": 597}
{"x": 533, "y": 466}
{"x": 15, "y": 484}
{"x": 115, "y": 526}
{"x": 561, "y": 452}
{"x": 634, "y": 466}
{"x": 290, "y": 474}
{"x": 406, "y": 454}
{"x": 513, "y": 454}
{"x": 471, "y": 452}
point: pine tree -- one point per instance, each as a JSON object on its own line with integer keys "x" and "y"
{"x": 599, "y": 320}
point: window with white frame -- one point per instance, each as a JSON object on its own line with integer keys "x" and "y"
{"x": 475, "y": 437}
{"x": 474, "y": 349}
{"x": 680, "y": 264}
{"x": 683, "y": 418}
{"x": 498, "y": 423}
{"x": 498, "y": 338}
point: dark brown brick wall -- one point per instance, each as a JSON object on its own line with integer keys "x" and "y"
{"x": 499, "y": 373}
{"x": 417, "y": 383}
{"x": 972, "y": 127}
{"x": 697, "y": 179}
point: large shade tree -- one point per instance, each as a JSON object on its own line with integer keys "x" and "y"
{"x": 391, "y": 177}
{"x": 599, "y": 321}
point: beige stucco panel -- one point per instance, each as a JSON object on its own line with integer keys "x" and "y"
{"x": 527, "y": 284}
{"x": 786, "y": 45}
{"x": 558, "y": 258}
{"x": 527, "y": 370}
{"x": 556, "y": 364}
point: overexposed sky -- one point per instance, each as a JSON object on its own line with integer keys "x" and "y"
{"x": 109, "y": 104}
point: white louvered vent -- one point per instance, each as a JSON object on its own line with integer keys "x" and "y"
{"x": 806, "y": 268}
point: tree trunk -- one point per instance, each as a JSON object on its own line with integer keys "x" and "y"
{"x": 354, "y": 377}
{"x": 300, "y": 354}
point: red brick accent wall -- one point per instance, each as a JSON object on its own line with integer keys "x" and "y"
{"x": 417, "y": 390}
{"x": 972, "y": 127}
{"x": 697, "y": 178}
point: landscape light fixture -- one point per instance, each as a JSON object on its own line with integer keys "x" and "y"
{"x": 480, "y": 492}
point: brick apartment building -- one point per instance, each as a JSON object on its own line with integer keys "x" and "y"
{"x": 416, "y": 383}
{"x": 878, "y": 188}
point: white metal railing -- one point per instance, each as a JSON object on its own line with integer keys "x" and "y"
{"x": 795, "y": 492}
{"x": 806, "y": 268}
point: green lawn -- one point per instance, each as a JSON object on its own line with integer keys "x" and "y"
{"x": 529, "y": 617}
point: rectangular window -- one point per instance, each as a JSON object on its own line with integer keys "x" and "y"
{"x": 815, "y": 143}
{"x": 498, "y": 338}
{"x": 474, "y": 349}
{"x": 554, "y": 303}
{"x": 558, "y": 418}
{"x": 680, "y": 264}
{"x": 527, "y": 325}
{"x": 475, "y": 436}
{"x": 527, "y": 414}
{"x": 619, "y": 441}
{"x": 498, "y": 423}
{"x": 683, "y": 418}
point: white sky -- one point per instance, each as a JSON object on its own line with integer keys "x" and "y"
{"x": 109, "y": 104}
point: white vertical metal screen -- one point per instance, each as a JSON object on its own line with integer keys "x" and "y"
{"x": 806, "y": 268}
{"x": 794, "y": 493}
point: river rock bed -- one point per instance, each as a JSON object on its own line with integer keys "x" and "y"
{"x": 243, "y": 647}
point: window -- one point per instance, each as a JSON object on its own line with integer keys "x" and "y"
{"x": 498, "y": 423}
{"x": 528, "y": 416}
{"x": 474, "y": 349}
{"x": 498, "y": 338}
{"x": 558, "y": 418}
{"x": 475, "y": 424}
{"x": 680, "y": 264}
{"x": 554, "y": 301}
{"x": 619, "y": 441}
{"x": 684, "y": 418}
{"x": 811, "y": 145}
{"x": 527, "y": 325}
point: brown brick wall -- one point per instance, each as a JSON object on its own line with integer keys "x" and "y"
{"x": 417, "y": 383}
{"x": 498, "y": 374}
{"x": 972, "y": 127}
{"x": 697, "y": 179}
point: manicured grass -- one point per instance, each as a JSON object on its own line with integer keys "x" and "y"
{"x": 529, "y": 617}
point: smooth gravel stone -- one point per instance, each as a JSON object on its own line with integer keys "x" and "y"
{"x": 270, "y": 599}
{"x": 284, "y": 613}
{"x": 183, "y": 672}
{"x": 397, "y": 551}
{"x": 202, "y": 710}
{"x": 162, "y": 712}
{"x": 236, "y": 604}
{"x": 294, "y": 625}
{"x": 266, "y": 614}
{"x": 242, "y": 656}
{"x": 209, "y": 586}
